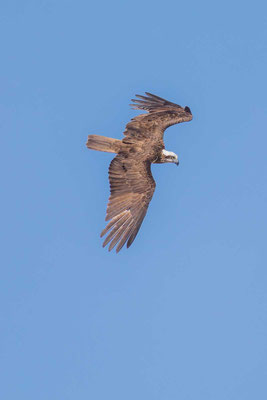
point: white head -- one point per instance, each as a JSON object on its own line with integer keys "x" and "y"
{"x": 170, "y": 157}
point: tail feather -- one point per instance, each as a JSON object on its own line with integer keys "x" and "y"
{"x": 103, "y": 143}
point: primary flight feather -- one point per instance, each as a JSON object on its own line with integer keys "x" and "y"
{"x": 131, "y": 181}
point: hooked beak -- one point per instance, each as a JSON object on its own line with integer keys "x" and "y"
{"x": 177, "y": 163}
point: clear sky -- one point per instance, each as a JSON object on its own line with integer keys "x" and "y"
{"x": 182, "y": 314}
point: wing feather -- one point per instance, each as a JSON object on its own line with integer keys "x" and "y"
{"x": 132, "y": 187}
{"x": 113, "y": 222}
{"x": 161, "y": 114}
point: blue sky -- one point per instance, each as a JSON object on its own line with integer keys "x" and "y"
{"x": 182, "y": 314}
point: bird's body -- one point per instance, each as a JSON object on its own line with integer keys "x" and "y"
{"x": 131, "y": 181}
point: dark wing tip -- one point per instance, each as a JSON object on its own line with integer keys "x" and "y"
{"x": 187, "y": 109}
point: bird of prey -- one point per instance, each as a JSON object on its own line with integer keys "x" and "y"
{"x": 131, "y": 181}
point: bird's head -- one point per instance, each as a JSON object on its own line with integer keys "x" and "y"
{"x": 169, "y": 157}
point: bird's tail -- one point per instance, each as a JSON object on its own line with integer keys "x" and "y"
{"x": 103, "y": 143}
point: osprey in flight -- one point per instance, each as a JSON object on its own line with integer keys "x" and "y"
{"x": 131, "y": 181}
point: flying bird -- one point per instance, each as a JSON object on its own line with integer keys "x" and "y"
{"x": 131, "y": 182}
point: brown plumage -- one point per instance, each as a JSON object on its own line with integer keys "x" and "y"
{"x": 131, "y": 181}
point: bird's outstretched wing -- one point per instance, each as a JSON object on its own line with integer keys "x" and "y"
{"x": 132, "y": 187}
{"x": 161, "y": 115}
